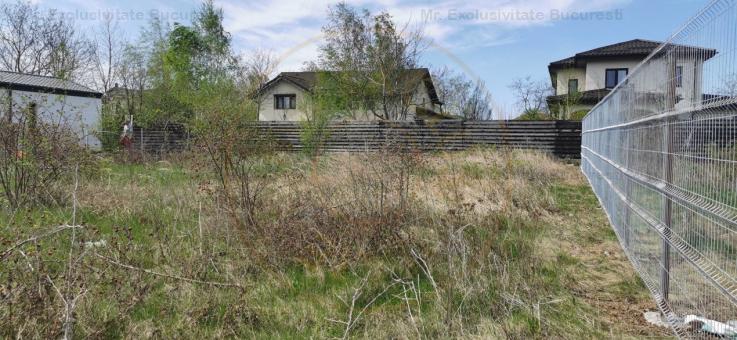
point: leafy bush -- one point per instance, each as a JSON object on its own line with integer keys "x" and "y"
{"x": 110, "y": 128}
{"x": 578, "y": 115}
{"x": 535, "y": 115}
{"x": 314, "y": 133}
{"x": 327, "y": 102}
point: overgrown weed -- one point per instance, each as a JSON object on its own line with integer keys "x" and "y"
{"x": 398, "y": 245}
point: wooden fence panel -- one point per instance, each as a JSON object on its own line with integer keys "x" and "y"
{"x": 561, "y": 138}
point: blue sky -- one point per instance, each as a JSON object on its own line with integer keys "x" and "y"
{"x": 494, "y": 40}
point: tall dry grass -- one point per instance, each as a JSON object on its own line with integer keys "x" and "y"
{"x": 390, "y": 244}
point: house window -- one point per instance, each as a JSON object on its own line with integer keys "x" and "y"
{"x": 572, "y": 86}
{"x": 285, "y": 101}
{"x": 679, "y": 76}
{"x": 614, "y": 76}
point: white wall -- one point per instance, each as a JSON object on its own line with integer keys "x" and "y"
{"x": 647, "y": 92}
{"x": 655, "y": 79}
{"x": 596, "y": 71}
{"x": 567, "y": 74}
{"x": 267, "y": 112}
{"x": 80, "y": 114}
{"x": 421, "y": 98}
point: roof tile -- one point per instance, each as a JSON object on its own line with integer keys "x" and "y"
{"x": 632, "y": 48}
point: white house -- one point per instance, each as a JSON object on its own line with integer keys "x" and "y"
{"x": 584, "y": 79}
{"x": 287, "y": 97}
{"x": 53, "y": 100}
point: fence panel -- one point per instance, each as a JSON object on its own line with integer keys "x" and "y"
{"x": 660, "y": 154}
{"x": 173, "y": 138}
{"x": 561, "y": 138}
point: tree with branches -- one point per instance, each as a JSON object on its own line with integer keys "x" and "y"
{"x": 38, "y": 44}
{"x": 108, "y": 54}
{"x": 372, "y": 61}
{"x": 463, "y": 97}
{"x": 531, "y": 94}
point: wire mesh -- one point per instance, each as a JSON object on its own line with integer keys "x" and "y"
{"x": 660, "y": 153}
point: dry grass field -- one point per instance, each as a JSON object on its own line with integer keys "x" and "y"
{"x": 478, "y": 244}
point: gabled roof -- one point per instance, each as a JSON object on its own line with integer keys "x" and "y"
{"x": 33, "y": 83}
{"x": 636, "y": 48}
{"x": 632, "y": 47}
{"x": 303, "y": 80}
{"x": 307, "y": 80}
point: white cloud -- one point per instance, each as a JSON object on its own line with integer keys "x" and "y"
{"x": 285, "y": 25}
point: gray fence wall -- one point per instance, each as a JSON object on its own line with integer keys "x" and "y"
{"x": 561, "y": 138}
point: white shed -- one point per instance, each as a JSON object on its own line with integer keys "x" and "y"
{"x": 53, "y": 100}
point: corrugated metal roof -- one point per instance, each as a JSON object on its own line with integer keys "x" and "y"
{"x": 44, "y": 83}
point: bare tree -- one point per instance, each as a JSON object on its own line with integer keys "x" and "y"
{"x": 258, "y": 68}
{"x": 133, "y": 73}
{"x": 108, "y": 54}
{"x": 45, "y": 45}
{"x": 479, "y": 104}
{"x": 531, "y": 94}
{"x": 728, "y": 85}
{"x": 463, "y": 97}
{"x": 20, "y": 46}
{"x": 256, "y": 72}
{"x": 70, "y": 53}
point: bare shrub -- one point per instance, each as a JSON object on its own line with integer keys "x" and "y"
{"x": 35, "y": 156}
{"x": 354, "y": 207}
{"x": 240, "y": 160}
{"x": 473, "y": 240}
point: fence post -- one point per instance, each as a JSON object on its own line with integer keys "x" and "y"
{"x": 629, "y": 134}
{"x": 670, "y": 98}
{"x": 628, "y": 191}
{"x": 141, "y": 140}
{"x": 10, "y": 106}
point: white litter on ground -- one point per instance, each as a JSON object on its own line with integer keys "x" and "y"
{"x": 710, "y": 326}
{"x": 95, "y": 244}
{"x": 655, "y": 318}
{"x": 726, "y": 330}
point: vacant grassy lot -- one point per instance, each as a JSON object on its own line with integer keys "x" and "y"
{"x": 480, "y": 244}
